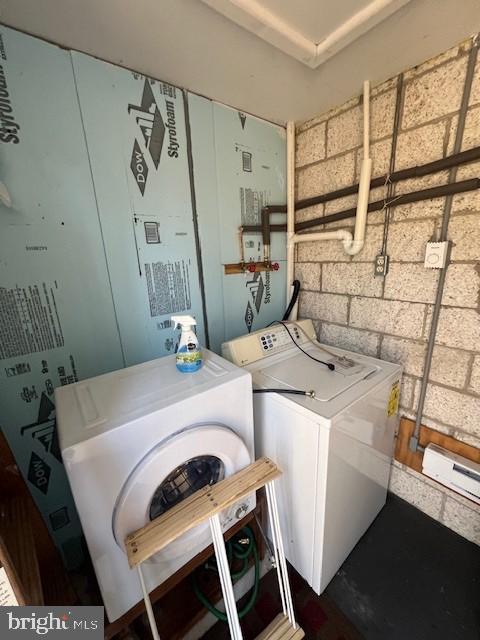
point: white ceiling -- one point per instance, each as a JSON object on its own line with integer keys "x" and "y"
{"x": 310, "y": 31}
{"x": 317, "y": 18}
{"x": 193, "y": 45}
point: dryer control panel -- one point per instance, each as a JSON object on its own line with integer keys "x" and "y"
{"x": 265, "y": 342}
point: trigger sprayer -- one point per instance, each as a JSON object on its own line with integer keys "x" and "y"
{"x": 189, "y": 356}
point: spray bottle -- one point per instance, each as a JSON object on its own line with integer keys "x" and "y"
{"x": 189, "y": 356}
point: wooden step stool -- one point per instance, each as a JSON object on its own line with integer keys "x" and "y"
{"x": 205, "y": 504}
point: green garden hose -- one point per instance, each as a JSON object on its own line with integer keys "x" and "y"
{"x": 235, "y": 551}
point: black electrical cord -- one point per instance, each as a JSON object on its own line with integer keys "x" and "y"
{"x": 293, "y": 299}
{"x": 297, "y": 392}
{"x": 330, "y": 365}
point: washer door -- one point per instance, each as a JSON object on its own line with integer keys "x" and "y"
{"x": 170, "y": 472}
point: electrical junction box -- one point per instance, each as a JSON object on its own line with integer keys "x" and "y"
{"x": 453, "y": 471}
{"x": 436, "y": 255}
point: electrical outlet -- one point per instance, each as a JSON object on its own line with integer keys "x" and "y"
{"x": 381, "y": 266}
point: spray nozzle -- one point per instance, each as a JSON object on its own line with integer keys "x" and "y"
{"x": 183, "y": 321}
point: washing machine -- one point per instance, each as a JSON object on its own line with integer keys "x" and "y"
{"x": 334, "y": 445}
{"x": 137, "y": 441}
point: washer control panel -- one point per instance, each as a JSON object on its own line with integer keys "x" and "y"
{"x": 278, "y": 337}
{"x": 265, "y": 342}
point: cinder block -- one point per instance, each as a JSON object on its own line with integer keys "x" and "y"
{"x": 420, "y": 145}
{"x": 419, "y": 210}
{"x": 326, "y": 176}
{"x": 391, "y": 83}
{"x": 422, "y": 495}
{"x": 462, "y": 285}
{"x": 471, "y": 133}
{"x": 456, "y": 409}
{"x": 322, "y": 251}
{"x": 351, "y": 278}
{"x": 380, "y": 153}
{"x": 326, "y": 115}
{"x": 428, "y": 422}
{"x": 407, "y": 240}
{"x": 458, "y": 328}
{"x": 410, "y": 354}
{"x": 435, "y": 93}
{"x": 468, "y": 201}
{"x": 424, "y": 182}
{"x": 475, "y": 376}
{"x": 341, "y": 204}
{"x": 431, "y": 63}
{"x": 449, "y": 366}
{"x": 464, "y": 231}
{"x": 316, "y": 211}
{"x": 406, "y": 392}
{"x": 310, "y": 145}
{"x": 388, "y": 316}
{"x": 378, "y": 194}
{"x": 462, "y": 519}
{"x": 467, "y": 438}
{"x": 411, "y": 282}
{"x": 323, "y": 306}
{"x": 475, "y": 91}
{"x": 372, "y": 246}
{"x": 338, "y": 205}
{"x": 382, "y": 114}
{"x": 345, "y": 131}
{"x": 317, "y": 325}
{"x": 309, "y": 275}
{"x": 364, "y": 342}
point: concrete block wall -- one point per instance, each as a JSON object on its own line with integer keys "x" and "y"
{"x": 390, "y": 318}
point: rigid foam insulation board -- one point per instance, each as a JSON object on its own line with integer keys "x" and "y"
{"x": 109, "y": 233}
{"x": 57, "y": 318}
{"x": 136, "y": 135}
{"x": 239, "y": 165}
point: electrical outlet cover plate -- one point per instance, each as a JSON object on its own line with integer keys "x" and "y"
{"x": 381, "y": 266}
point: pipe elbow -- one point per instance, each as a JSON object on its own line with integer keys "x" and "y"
{"x": 353, "y": 247}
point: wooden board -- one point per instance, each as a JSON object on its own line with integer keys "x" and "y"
{"x": 180, "y": 580}
{"x": 414, "y": 459}
{"x": 281, "y": 629}
{"x": 203, "y": 504}
{"x": 55, "y": 584}
{"x": 18, "y": 553}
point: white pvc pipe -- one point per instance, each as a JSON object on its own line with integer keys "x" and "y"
{"x": 352, "y": 245}
{"x": 340, "y": 234}
{"x": 290, "y": 213}
{"x": 364, "y": 185}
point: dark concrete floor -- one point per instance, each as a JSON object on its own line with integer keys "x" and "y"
{"x": 410, "y": 578}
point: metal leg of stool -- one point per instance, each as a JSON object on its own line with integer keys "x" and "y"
{"x": 273, "y": 508}
{"x": 225, "y": 578}
{"x": 148, "y": 605}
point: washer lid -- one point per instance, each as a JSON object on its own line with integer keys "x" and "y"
{"x": 300, "y": 372}
{"x": 171, "y": 471}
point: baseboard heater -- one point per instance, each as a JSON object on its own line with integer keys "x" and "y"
{"x": 453, "y": 471}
